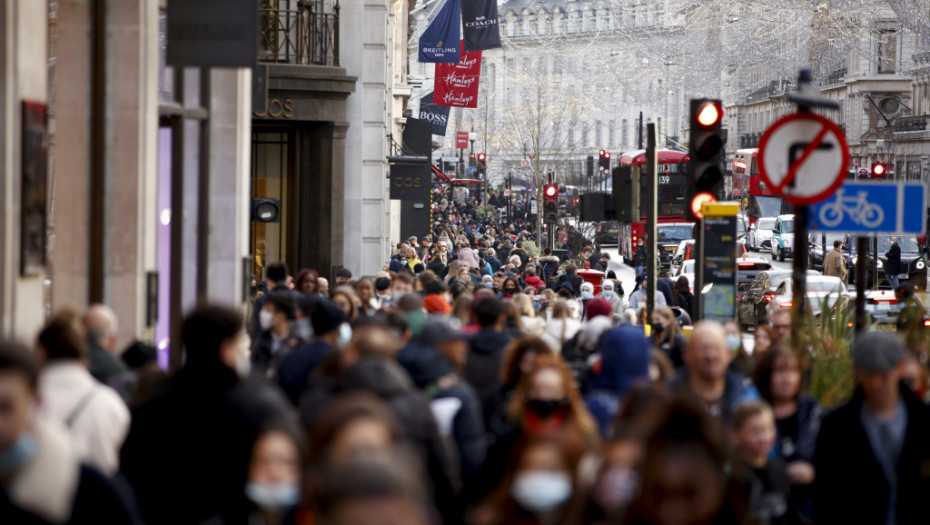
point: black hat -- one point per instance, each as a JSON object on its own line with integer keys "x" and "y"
{"x": 326, "y": 317}
{"x": 438, "y": 331}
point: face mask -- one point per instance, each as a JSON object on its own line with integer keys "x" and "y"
{"x": 403, "y": 263}
{"x": 608, "y": 293}
{"x": 265, "y": 317}
{"x": 345, "y": 335}
{"x": 488, "y": 285}
{"x": 541, "y": 491}
{"x": 510, "y": 291}
{"x": 303, "y": 329}
{"x": 546, "y": 407}
{"x": 586, "y": 295}
{"x": 733, "y": 342}
{"x": 17, "y": 455}
{"x": 616, "y": 488}
{"x": 273, "y": 496}
{"x": 657, "y": 328}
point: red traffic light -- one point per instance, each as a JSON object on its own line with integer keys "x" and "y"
{"x": 878, "y": 169}
{"x": 481, "y": 157}
{"x": 606, "y": 154}
{"x": 710, "y": 114}
{"x": 699, "y": 200}
{"x": 551, "y": 191}
{"x": 471, "y": 155}
{"x": 601, "y": 153}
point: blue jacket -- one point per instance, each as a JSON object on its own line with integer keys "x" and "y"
{"x": 624, "y": 361}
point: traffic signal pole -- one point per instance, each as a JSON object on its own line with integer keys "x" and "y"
{"x": 652, "y": 212}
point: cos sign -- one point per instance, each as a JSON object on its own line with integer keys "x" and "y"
{"x": 410, "y": 182}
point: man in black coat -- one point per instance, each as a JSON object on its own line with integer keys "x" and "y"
{"x": 295, "y": 369}
{"x": 486, "y": 348}
{"x": 873, "y": 454}
{"x": 276, "y": 281}
{"x": 188, "y": 449}
{"x": 893, "y": 263}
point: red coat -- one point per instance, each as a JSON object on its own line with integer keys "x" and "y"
{"x": 535, "y": 282}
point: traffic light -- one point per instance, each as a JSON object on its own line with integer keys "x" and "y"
{"x": 471, "y": 160}
{"x": 603, "y": 163}
{"x": 626, "y": 194}
{"x": 878, "y": 170}
{"x": 482, "y": 165}
{"x": 705, "y": 170}
{"x": 551, "y": 203}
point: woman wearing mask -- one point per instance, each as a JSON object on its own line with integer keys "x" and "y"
{"x": 546, "y": 402}
{"x": 511, "y": 287}
{"x": 615, "y": 299}
{"x": 667, "y": 336}
{"x": 587, "y": 293}
{"x": 273, "y": 489}
{"x": 539, "y": 489}
{"x": 797, "y": 421}
{"x": 519, "y": 359}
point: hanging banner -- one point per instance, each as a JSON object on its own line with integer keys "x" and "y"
{"x": 437, "y": 115}
{"x": 456, "y": 85}
{"x": 440, "y": 42}
{"x": 480, "y": 23}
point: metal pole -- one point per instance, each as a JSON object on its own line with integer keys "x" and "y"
{"x": 862, "y": 247}
{"x": 799, "y": 277}
{"x": 639, "y": 133}
{"x": 203, "y": 191}
{"x": 652, "y": 212}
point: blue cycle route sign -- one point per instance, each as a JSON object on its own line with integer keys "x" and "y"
{"x": 872, "y": 207}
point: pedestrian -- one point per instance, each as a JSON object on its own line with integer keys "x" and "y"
{"x": 893, "y": 263}
{"x": 683, "y": 296}
{"x": 562, "y": 327}
{"x": 624, "y": 361}
{"x": 532, "y": 279}
{"x": 763, "y": 341}
{"x": 486, "y": 347}
{"x": 103, "y": 357}
{"x": 639, "y": 258}
{"x": 94, "y": 415}
{"x": 758, "y": 487}
{"x": 466, "y": 254}
{"x": 781, "y": 327}
{"x": 42, "y": 478}
{"x": 638, "y": 296}
{"x": 343, "y": 276}
{"x": 615, "y": 299}
{"x": 834, "y": 263}
{"x": 278, "y": 337}
{"x": 871, "y": 450}
{"x": 306, "y": 282}
{"x": 778, "y": 377}
{"x": 549, "y": 264}
{"x": 667, "y": 336}
{"x": 330, "y": 332}
{"x": 275, "y": 281}
{"x": 191, "y": 443}
{"x": 707, "y": 379}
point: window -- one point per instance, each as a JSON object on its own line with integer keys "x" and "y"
{"x": 624, "y": 133}
{"x": 598, "y": 143}
{"x": 571, "y": 136}
{"x": 612, "y": 134}
{"x": 659, "y": 128}
{"x": 585, "y": 135}
{"x": 887, "y": 52}
{"x": 557, "y": 68}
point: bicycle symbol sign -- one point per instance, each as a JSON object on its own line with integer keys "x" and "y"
{"x": 803, "y": 157}
{"x": 872, "y": 207}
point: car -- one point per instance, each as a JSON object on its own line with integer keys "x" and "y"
{"x": 668, "y": 237}
{"x": 821, "y": 244}
{"x": 760, "y": 234}
{"x": 687, "y": 251}
{"x": 819, "y": 288}
{"x": 913, "y": 265}
{"x": 748, "y": 267}
{"x": 687, "y": 269}
{"x": 884, "y": 309}
{"x": 782, "y": 237}
{"x": 752, "y": 303}
{"x": 607, "y": 233}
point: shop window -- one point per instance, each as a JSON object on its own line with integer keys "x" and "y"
{"x": 271, "y": 168}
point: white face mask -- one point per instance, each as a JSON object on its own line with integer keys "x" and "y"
{"x": 607, "y": 292}
{"x": 273, "y": 496}
{"x": 243, "y": 357}
{"x": 265, "y": 318}
{"x": 540, "y": 491}
{"x": 345, "y": 335}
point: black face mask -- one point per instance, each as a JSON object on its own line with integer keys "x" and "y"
{"x": 545, "y": 408}
{"x": 510, "y": 290}
{"x": 657, "y": 328}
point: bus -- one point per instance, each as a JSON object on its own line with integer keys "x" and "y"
{"x": 672, "y": 185}
{"x": 756, "y": 198}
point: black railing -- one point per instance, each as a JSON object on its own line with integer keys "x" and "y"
{"x": 918, "y": 123}
{"x": 836, "y": 77}
{"x": 749, "y": 140}
{"x": 305, "y": 36}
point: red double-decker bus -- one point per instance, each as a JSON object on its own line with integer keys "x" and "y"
{"x": 757, "y": 199}
{"x": 672, "y": 186}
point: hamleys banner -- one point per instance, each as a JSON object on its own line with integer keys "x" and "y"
{"x": 456, "y": 84}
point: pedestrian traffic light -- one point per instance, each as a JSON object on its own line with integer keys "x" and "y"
{"x": 551, "y": 203}
{"x": 878, "y": 170}
{"x": 471, "y": 160}
{"x": 705, "y": 170}
{"x": 603, "y": 163}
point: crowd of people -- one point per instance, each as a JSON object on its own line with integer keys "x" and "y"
{"x": 475, "y": 380}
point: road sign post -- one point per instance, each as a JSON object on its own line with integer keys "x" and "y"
{"x": 717, "y": 269}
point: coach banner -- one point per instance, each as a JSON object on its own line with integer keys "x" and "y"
{"x": 440, "y": 41}
{"x": 480, "y": 24}
{"x": 456, "y": 84}
{"x": 437, "y": 115}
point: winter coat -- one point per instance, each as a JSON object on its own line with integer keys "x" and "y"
{"x": 549, "y": 264}
{"x": 454, "y": 403}
{"x": 639, "y": 297}
{"x": 264, "y": 361}
{"x": 295, "y": 368}
{"x": 486, "y": 351}
{"x": 535, "y": 282}
{"x": 834, "y": 264}
{"x": 674, "y": 349}
{"x": 624, "y": 361}
{"x": 494, "y": 262}
{"x": 94, "y": 415}
{"x": 560, "y": 331}
{"x": 893, "y": 257}
{"x": 469, "y": 256}
{"x": 851, "y": 486}
{"x": 639, "y": 258}
{"x": 191, "y": 445}
{"x": 616, "y": 302}
{"x": 686, "y": 302}
{"x": 110, "y": 370}
{"x": 54, "y": 487}
{"x": 666, "y": 286}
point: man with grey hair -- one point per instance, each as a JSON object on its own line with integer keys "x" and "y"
{"x": 103, "y": 358}
{"x": 893, "y": 263}
{"x": 707, "y": 378}
{"x": 873, "y": 453}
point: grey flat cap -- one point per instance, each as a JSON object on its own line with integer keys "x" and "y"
{"x": 877, "y": 352}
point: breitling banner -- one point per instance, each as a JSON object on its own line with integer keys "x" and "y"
{"x": 440, "y": 41}
{"x": 456, "y": 84}
{"x": 480, "y": 24}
